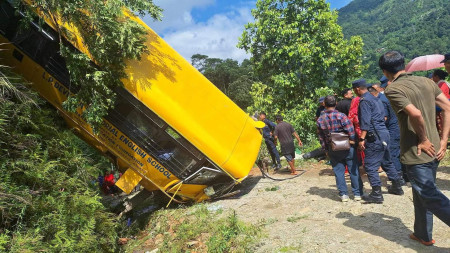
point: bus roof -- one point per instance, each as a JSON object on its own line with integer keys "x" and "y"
{"x": 170, "y": 86}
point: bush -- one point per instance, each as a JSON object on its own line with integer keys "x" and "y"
{"x": 46, "y": 203}
{"x": 303, "y": 118}
{"x": 196, "y": 229}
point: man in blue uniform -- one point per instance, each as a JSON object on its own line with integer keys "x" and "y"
{"x": 391, "y": 123}
{"x": 374, "y": 140}
{"x": 268, "y": 138}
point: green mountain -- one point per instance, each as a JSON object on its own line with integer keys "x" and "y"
{"x": 414, "y": 27}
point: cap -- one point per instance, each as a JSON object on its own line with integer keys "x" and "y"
{"x": 446, "y": 58}
{"x": 359, "y": 83}
{"x": 383, "y": 82}
{"x": 321, "y": 99}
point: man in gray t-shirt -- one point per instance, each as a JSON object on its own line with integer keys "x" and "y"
{"x": 284, "y": 132}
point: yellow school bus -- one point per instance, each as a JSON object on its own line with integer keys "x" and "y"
{"x": 170, "y": 130}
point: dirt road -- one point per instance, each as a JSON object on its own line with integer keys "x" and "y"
{"x": 305, "y": 215}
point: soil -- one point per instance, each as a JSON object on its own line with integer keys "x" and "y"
{"x": 305, "y": 214}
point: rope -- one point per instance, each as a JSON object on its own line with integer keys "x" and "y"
{"x": 173, "y": 196}
{"x": 260, "y": 166}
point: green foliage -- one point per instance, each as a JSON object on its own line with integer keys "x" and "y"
{"x": 233, "y": 79}
{"x": 414, "y": 27}
{"x": 297, "y": 47}
{"x": 300, "y": 54}
{"x": 197, "y": 229}
{"x": 111, "y": 38}
{"x": 303, "y": 118}
{"x": 262, "y": 99}
{"x": 272, "y": 189}
{"x": 46, "y": 200}
{"x": 290, "y": 249}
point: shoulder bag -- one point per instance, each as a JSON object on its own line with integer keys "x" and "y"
{"x": 338, "y": 141}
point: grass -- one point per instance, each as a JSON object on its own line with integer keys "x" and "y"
{"x": 272, "y": 189}
{"x": 195, "y": 229}
{"x": 296, "y": 218}
{"x": 290, "y": 249}
{"x": 266, "y": 222}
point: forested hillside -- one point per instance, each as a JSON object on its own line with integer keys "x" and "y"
{"x": 415, "y": 27}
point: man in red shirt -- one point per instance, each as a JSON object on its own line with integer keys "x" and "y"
{"x": 446, "y": 62}
{"x": 108, "y": 182}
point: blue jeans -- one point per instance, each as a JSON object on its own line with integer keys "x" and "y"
{"x": 427, "y": 199}
{"x": 378, "y": 155}
{"x": 272, "y": 150}
{"x": 394, "y": 150}
{"x": 338, "y": 161}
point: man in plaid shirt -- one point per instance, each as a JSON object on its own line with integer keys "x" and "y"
{"x": 331, "y": 120}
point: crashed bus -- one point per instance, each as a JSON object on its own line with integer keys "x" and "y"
{"x": 171, "y": 129}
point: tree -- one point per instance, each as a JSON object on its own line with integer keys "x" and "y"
{"x": 420, "y": 28}
{"x": 111, "y": 37}
{"x": 297, "y": 47}
{"x": 233, "y": 79}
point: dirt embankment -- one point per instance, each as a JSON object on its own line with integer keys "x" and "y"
{"x": 305, "y": 215}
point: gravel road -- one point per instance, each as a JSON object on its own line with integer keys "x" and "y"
{"x": 305, "y": 215}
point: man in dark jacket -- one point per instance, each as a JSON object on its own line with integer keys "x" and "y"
{"x": 344, "y": 105}
{"x": 391, "y": 123}
{"x": 374, "y": 140}
{"x": 268, "y": 138}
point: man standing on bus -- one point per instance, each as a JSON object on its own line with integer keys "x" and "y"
{"x": 268, "y": 138}
{"x": 284, "y": 132}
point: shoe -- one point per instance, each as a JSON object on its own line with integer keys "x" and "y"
{"x": 396, "y": 187}
{"x": 375, "y": 196}
{"x": 358, "y": 198}
{"x": 430, "y": 243}
{"x": 344, "y": 198}
{"x": 278, "y": 167}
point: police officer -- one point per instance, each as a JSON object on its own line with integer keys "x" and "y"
{"x": 391, "y": 123}
{"x": 268, "y": 138}
{"x": 374, "y": 140}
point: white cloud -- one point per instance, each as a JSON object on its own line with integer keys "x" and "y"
{"x": 217, "y": 37}
{"x": 176, "y": 14}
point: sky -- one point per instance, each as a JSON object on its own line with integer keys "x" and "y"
{"x": 209, "y": 27}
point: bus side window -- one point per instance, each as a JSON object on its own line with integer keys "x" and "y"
{"x": 31, "y": 42}
{"x": 56, "y": 66}
{"x": 153, "y": 135}
{"x": 6, "y": 16}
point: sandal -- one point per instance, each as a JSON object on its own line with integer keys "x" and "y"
{"x": 430, "y": 243}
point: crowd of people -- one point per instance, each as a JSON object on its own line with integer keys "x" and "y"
{"x": 399, "y": 125}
